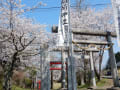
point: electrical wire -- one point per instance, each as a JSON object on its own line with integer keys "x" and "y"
{"x": 49, "y": 8}
{"x": 58, "y": 7}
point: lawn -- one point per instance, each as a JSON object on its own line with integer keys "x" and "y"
{"x": 83, "y": 87}
{"x": 15, "y": 88}
{"x": 0, "y": 86}
{"x": 18, "y": 88}
{"x": 104, "y": 83}
{"x": 56, "y": 86}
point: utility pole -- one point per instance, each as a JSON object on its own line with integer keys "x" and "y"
{"x": 64, "y": 27}
{"x": 67, "y": 35}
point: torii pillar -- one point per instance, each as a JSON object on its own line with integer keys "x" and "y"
{"x": 93, "y": 81}
{"x": 113, "y": 62}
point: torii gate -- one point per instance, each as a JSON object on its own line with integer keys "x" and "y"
{"x": 65, "y": 40}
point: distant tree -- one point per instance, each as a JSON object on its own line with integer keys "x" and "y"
{"x": 117, "y": 56}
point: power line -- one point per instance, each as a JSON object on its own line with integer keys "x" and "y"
{"x": 104, "y": 4}
{"x": 49, "y": 8}
{"x": 57, "y": 7}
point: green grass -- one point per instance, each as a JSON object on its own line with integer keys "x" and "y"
{"x": 83, "y": 86}
{"x": 56, "y": 86}
{"x": 1, "y": 79}
{"x": 18, "y": 88}
{"x": 0, "y": 86}
{"x": 104, "y": 83}
{"x": 14, "y": 88}
{"x": 101, "y": 83}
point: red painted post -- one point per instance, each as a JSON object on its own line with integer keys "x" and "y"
{"x": 39, "y": 85}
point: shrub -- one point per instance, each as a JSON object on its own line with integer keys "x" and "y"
{"x": 1, "y": 80}
{"x": 28, "y": 82}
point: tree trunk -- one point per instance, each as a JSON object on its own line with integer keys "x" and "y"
{"x": 7, "y": 81}
{"x": 51, "y": 79}
{"x": 100, "y": 63}
{"x": 85, "y": 70}
{"x": 96, "y": 72}
{"x": 8, "y": 72}
{"x": 82, "y": 78}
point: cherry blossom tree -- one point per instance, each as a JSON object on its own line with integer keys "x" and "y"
{"x": 91, "y": 19}
{"x": 19, "y": 37}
